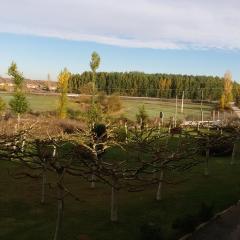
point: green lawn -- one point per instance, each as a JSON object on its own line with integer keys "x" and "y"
{"x": 23, "y": 217}
{"x": 40, "y": 102}
{"x": 130, "y": 107}
{"x": 193, "y": 111}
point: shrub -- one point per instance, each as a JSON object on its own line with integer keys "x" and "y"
{"x": 120, "y": 134}
{"x": 73, "y": 114}
{"x": 114, "y": 103}
{"x": 205, "y": 212}
{"x": 142, "y": 115}
{"x": 100, "y": 130}
{"x": 103, "y": 101}
{"x": 150, "y": 231}
{"x": 185, "y": 224}
{"x": 2, "y": 105}
{"x": 222, "y": 150}
{"x": 87, "y": 88}
{"x": 94, "y": 114}
{"x": 68, "y": 126}
{"x": 188, "y": 223}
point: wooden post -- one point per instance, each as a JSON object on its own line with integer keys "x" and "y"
{"x": 213, "y": 115}
{"x": 126, "y": 131}
{"x": 176, "y": 109}
{"x": 182, "y": 102}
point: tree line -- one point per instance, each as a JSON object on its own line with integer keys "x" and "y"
{"x": 152, "y": 85}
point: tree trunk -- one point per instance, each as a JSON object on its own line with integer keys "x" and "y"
{"x": 160, "y": 186}
{"x": 233, "y": 154}
{"x": 23, "y": 143}
{"x": 206, "y": 171}
{"x": 44, "y": 180}
{"x": 60, "y": 208}
{"x": 93, "y": 179}
{"x": 18, "y": 120}
{"x": 114, "y": 204}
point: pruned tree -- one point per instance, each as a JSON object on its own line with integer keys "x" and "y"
{"x": 160, "y": 153}
{"x": 214, "y": 143}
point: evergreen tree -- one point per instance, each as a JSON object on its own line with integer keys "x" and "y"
{"x": 18, "y": 103}
{"x": 152, "y": 85}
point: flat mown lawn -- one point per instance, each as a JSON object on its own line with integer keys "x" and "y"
{"x": 153, "y": 108}
{"x": 22, "y": 216}
{"x": 129, "y": 110}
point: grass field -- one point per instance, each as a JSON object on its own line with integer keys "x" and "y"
{"x": 130, "y": 107}
{"x": 22, "y": 215}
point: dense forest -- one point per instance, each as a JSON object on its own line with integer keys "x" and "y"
{"x": 151, "y": 85}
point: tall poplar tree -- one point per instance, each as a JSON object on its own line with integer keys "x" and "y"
{"x": 94, "y": 64}
{"x": 227, "y": 95}
{"x": 63, "y": 78}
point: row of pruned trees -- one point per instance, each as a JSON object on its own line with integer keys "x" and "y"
{"x": 155, "y": 155}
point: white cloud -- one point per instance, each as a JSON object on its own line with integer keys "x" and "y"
{"x": 172, "y": 24}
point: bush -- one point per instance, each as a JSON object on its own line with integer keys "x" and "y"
{"x": 222, "y": 150}
{"x": 73, "y": 114}
{"x": 94, "y": 114}
{"x": 185, "y": 224}
{"x": 87, "y": 88}
{"x": 205, "y": 212}
{"x": 188, "y": 223}
{"x": 150, "y": 231}
{"x": 142, "y": 115}
{"x": 114, "y": 103}
{"x": 100, "y": 130}
{"x": 2, "y": 105}
{"x": 120, "y": 134}
{"x": 68, "y": 126}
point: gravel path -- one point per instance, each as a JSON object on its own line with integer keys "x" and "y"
{"x": 224, "y": 227}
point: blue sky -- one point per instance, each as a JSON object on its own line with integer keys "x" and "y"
{"x": 188, "y": 37}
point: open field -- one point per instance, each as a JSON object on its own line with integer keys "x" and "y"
{"x": 22, "y": 215}
{"x": 130, "y": 107}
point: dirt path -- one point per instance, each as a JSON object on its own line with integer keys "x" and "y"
{"x": 224, "y": 227}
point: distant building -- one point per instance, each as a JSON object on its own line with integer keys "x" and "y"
{"x": 6, "y": 84}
